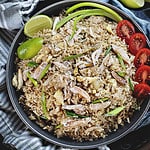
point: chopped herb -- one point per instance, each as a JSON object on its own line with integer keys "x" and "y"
{"x": 31, "y": 79}
{"x": 73, "y": 114}
{"x": 32, "y": 64}
{"x": 108, "y": 50}
{"x": 72, "y": 57}
{"x": 43, "y": 73}
{"x": 115, "y": 111}
{"x": 121, "y": 74}
{"x": 130, "y": 84}
{"x": 43, "y": 101}
{"x": 121, "y": 61}
{"x": 100, "y": 100}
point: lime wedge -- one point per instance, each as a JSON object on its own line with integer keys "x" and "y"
{"x": 37, "y": 23}
{"x": 133, "y": 3}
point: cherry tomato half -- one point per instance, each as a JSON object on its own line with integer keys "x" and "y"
{"x": 142, "y": 74}
{"x": 125, "y": 29}
{"x": 142, "y": 57}
{"x": 141, "y": 90}
{"x": 136, "y": 42}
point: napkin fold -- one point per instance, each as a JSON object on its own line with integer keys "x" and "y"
{"x": 13, "y": 13}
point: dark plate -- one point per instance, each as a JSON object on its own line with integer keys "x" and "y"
{"x": 52, "y": 10}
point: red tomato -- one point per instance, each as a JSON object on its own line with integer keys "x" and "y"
{"x": 136, "y": 42}
{"x": 141, "y": 90}
{"x": 142, "y": 57}
{"x": 142, "y": 74}
{"x": 125, "y": 29}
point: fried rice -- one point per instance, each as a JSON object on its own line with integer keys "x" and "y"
{"x": 82, "y": 84}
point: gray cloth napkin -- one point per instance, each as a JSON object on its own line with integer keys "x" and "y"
{"x": 13, "y": 13}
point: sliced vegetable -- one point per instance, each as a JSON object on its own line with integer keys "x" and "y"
{"x": 121, "y": 61}
{"x": 29, "y": 48}
{"x": 141, "y": 90}
{"x": 142, "y": 74}
{"x": 133, "y": 3}
{"x": 136, "y": 42}
{"x": 44, "y": 71}
{"x": 115, "y": 111}
{"x": 142, "y": 57}
{"x": 43, "y": 101}
{"x": 37, "y": 23}
{"x": 90, "y": 4}
{"x": 108, "y": 50}
{"x": 130, "y": 84}
{"x": 73, "y": 114}
{"x": 32, "y": 64}
{"x": 31, "y": 79}
{"x": 86, "y": 12}
{"x": 58, "y": 126}
{"x": 100, "y": 100}
{"x": 72, "y": 57}
{"x": 121, "y": 74}
{"x": 125, "y": 29}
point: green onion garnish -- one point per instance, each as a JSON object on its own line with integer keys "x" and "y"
{"x": 115, "y": 111}
{"x": 31, "y": 79}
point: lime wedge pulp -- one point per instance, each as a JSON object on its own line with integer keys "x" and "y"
{"x": 133, "y": 3}
{"x": 37, "y": 23}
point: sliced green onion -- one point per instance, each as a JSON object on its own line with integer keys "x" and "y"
{"x": 31, "y": 79}
{"x": 116, "y": 16}
{"x": 83, "y": 12}
{"x": 115, "y": 111}
{"x": 44, "y": 108}
{"x": 58, "y": 126}
{"x": 72, "y": 57}
{"x": 121, "y": 74}
{"x": 121, "y": 61}
{"x": 73, "y": 114}
{"x": 94, "y": 12}
{"x": 43, "y": 73}
{"x": 32, "y": 64}
{"x": 130, "y": 84}
{"x": 108, "y": 50}
{"x": 100, "y": 100}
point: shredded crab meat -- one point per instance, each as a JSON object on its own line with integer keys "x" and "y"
{"x": 118, "y": 78}
{"x": 75, "y": 123}
{"x": 99, "y": 106}
{"x": 80, "y": 91}
{"x": 95, "y": 55}
{"x": 79, "y": 108}
{"x": 122, "y": 52}
{"x": 20, "y": 79}
{"x": 103, "y": 64}
{"x": 37, "y": 72}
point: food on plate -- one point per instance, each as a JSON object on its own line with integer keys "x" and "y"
{"x": 37, "y": 23}
{"x": 141, "y": 90}
{"x": 142, "y": 74}
{"x": 142, "y": 57}
{"x": 125, "y": 29}
{"x": 133, "y": 3}
{"x": 136, "y": 42}
{"x": 80, "y": 83}
{"x": 29, "y": 48}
